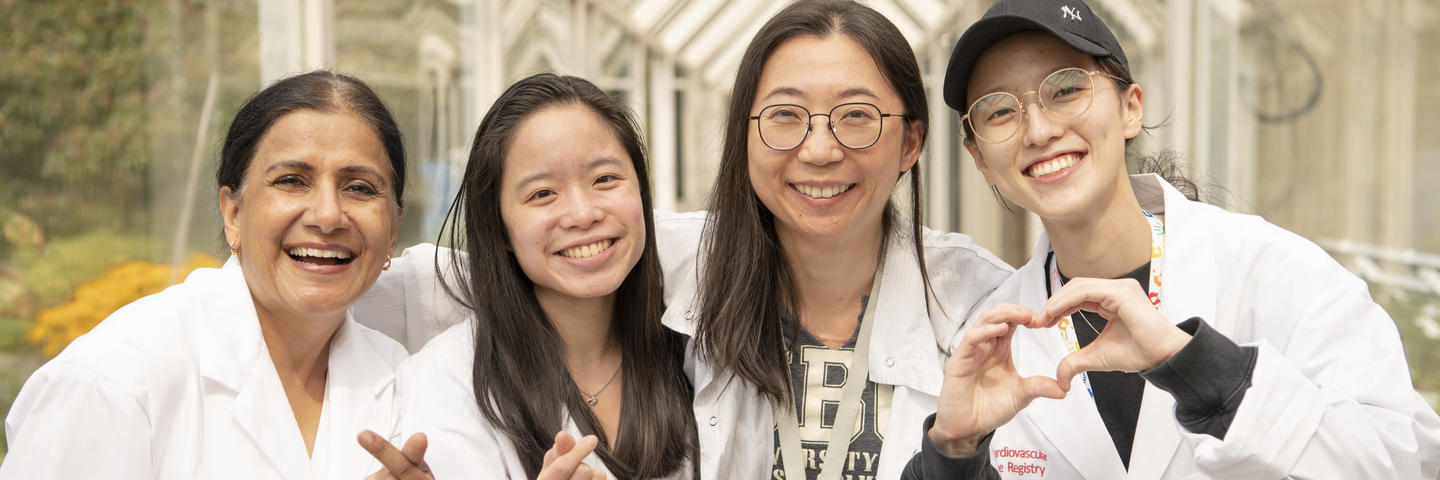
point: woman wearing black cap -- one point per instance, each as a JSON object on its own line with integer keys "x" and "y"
{"x": 1206, "y": 343}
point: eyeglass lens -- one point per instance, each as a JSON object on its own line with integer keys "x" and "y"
{"x": 855, "y": 125}
{"x": 1063, "y": 95}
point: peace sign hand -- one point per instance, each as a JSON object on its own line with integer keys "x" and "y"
{"x": 564, "y": 460}
{"x": 982, "y": 390}
{"x": 1136, "y": 338}
{"x": 407, "y": 463}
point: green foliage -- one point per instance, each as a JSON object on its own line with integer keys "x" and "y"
{"x": 53, "y": 272}
{"x": 1421, "y": 351}
{"x": 73, "y": 110}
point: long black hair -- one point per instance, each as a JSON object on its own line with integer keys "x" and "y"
{"x": 521, "y": 382}
{"x": 746, "y": 287}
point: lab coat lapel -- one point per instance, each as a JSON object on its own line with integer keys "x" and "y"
{"x": 1072, "y": 424}
{"x": 1188, "y": 281}
{"x": 904, "y": 349}
{"x": 358, "y": 380}
{"x": 233, "y": 359}
{"x": 260, "y": 410}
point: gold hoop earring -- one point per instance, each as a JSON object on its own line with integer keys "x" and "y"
{"x": 386, "y": 267}
{"x": 234, "y": 250}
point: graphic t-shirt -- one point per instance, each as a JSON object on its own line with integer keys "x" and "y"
{"x": 819, "y": 375}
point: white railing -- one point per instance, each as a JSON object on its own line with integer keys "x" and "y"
{"x": 1415, "y": 271}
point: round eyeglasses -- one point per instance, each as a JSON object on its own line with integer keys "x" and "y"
{"x": 1064, "y": 95}
{"x": 854, "y": 125}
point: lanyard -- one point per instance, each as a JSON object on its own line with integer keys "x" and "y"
{"x": 1067, "y": 325}
{"x": 839, "y": 444}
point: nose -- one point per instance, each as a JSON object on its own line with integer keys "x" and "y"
{"x": 325, "y": 211}
{"x": 820, "y": 147}
{"x": 581, "y": 211}
{"x": 1039, "y": 128}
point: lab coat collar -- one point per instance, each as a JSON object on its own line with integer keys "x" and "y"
{"x": 904, "y": 346}
{"x": 232, "y": 353}
{"x": 904, "y": 351}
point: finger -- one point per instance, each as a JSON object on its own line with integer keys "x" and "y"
{"x": 414, "y": 450}
{"x": 563, "y": 443}
{"x": 566, "y": 465}
{"x": 584, "y": 472}
{"x": 1092, "y": 294}
{"x": 392, "y": 460}
{"x": 1005, "y": 313}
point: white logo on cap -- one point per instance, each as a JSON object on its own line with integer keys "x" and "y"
{"x": 1070, "y": 13}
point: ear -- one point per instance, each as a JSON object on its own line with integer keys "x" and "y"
{"x": 974, "y": 150}
{"x": 914, "y": 142}
{"x": 395, "y": 231}
{"x": 1133, "y": 108}
{"x": 230, "y": 213}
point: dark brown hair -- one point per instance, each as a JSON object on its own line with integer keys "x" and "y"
{"x": 521, "y": 382}
{"x": 747, "y": 292}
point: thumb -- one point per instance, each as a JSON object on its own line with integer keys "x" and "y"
{"x": 1082, "y": 360}
{"x": 414, "y": 450}
{"x": 1037, "y": 387}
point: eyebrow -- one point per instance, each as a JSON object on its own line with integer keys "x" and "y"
{"x": 1059, "y": 67}
{"x": 594, "y": 164}
{"x": 291, "y": 164}
{"x": 795, "y": 92}
{"x": 306, "y": 167}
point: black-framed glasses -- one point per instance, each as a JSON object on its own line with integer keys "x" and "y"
{"x": 1064, "y": 95}
{"x": 855, "y": 125}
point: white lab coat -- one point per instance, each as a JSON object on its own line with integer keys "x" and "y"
{"x": 736, "y": 424}
{"x": 180, "y": 385}
{"x": 435, "y": 397}
{"x": 1331, "y": 395}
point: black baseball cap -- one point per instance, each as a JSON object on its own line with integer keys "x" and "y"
{"x": 1071, "y": 21}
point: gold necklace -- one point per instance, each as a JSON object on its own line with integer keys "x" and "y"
{"x": 590, "y": 398}
{"x": 1086, "y": 318}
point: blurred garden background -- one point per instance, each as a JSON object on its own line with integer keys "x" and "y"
{"x": 1318, "y": 114}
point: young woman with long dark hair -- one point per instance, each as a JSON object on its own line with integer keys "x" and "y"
{"x": 562, "y": 278}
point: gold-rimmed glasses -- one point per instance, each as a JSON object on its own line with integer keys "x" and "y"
{"x": 1064, "y": 95}
{"x": 855, "y": 125}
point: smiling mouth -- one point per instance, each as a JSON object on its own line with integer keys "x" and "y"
{"x": 1052, "y": 165}
{"x": 587, "y": 250}
{"x": 319, "y": 256}
{"x": 821, "y": 192}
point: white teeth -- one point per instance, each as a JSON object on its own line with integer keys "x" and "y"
{"x": 586, "y": 251}
{"x": 822, "y": 192}
{"x": 1053, "y": 165}
{"x": 315, "y": 252}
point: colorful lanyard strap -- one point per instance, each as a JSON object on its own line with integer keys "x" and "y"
{"x": 839, "y": 445}
{"x": 1067, "y": 325}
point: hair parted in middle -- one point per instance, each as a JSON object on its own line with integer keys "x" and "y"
{"x": 747, "y": 292}
{"x": 520, "y": 378}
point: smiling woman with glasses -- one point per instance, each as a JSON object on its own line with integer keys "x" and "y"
{"x": 1168, "y": 338}
{"x": 809, "y": 298}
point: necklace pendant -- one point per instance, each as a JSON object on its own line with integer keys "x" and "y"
{"x": 592, "y": 400}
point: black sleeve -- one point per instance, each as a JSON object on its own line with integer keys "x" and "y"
{"x": 1208, "y": 378}
{"x": 931, "y": 464}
